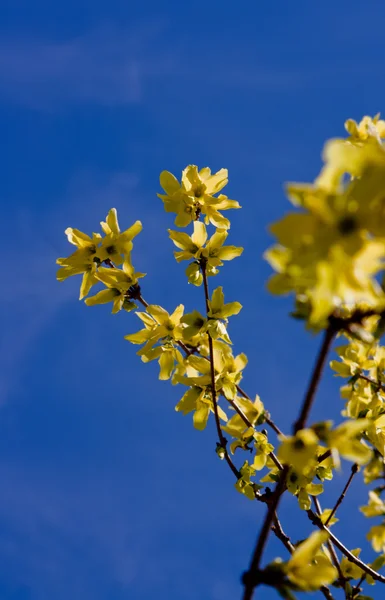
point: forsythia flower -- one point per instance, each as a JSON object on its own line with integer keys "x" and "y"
{"x": 367, "y": 128}
{"x": 349, "y": 569}
{"x": 118, "y": 283}
{"x": 262, "y": 450}
{"x": 215, "y": 325}
{"x": 376, "y": 536}
{"x": 344, "y": 441}
{"x": 375, "y": 507}
{"x": 236, "y": 427}
{"x": 374, "y": 469}
{"x": 82, "y": 261}
{"x": 199, "y": 400}
{"x": 195, "y": 196}
{"x": 210, "y": 254}
{"x": 309, "y": 567}
{"x": 92, "y": 251}
{"x": 117, "y": 243}
{"x": 163, "y": 329}
{"x": 228, "y": 370}
{"x": 299, "y": 451}
{"x": 301, "y": 485}
{"x": 244, "y": 485}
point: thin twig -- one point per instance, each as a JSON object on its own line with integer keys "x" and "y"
{"x": 315, "y": 379}
{"x": 356, "y": 589}
{"x": 281, "y": 535}
{"x": 273, "y": 426}
{"x": 221, "y": 437}
{"x": 343, "y": 494}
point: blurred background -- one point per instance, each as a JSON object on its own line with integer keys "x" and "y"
{"x": 106, "y": 491}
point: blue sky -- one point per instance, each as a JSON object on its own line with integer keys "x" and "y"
{"x": 107, "y": 492}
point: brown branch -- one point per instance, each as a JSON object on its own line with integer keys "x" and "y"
{"x": 343, "y": 494}
{"x": 315, "y": 379}
{"x": 356, "y": 589}
{"x": 281, "y": 535}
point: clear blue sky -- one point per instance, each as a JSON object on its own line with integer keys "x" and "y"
{"x": 106, "y": 491}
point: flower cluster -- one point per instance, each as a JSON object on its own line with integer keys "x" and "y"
{"x": 330, "y": 253}
{"x": 113, "y": 249}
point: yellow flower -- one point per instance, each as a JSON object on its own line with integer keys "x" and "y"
{"x": 376, "y": 536}
{"x": 199, "y": 401}
{"x": 209, "y": 254}
{"x": 116, "y": 244}
{"x": 194, "y": 195}
{"x": 299, "y": 451}
{"x": 374, "y": 469}
{"x": 262, "y": 450}
{"x": 83, "y": 261}
{"x": 301, "y": 485}
{"x": 118, "y": 283}
{"x": 324, "y": 516}
{"x": 217, "y": 320}
{"x": 236, "y": 427}
{"x": 367, "y": 128}
{"x": 349, "y": 569}
{"x": 228, "y": 370}
{"x": 375, "y": 507}
{"x": 92, "y": 251}
{"x": 345, "y": 441}
{"x": 160, "y": 335}
{"x": 309, "y": 567}
{"x": 244, "y": 484}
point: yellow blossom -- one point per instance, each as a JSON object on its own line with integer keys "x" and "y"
{"x": 299, "y": 451}
{"x": 376, "y": 536}
{"x": 207, "y": 254}
{"x": 375, "y": 507}
{"x": 349, "y": 569}
{"x": 195, "y": 195}
{"x": 118, "y": 283}
{"x": 309, "y": 567}
{"x": 367, "y": 128}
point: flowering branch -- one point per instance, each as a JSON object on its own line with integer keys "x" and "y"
{"x": 330, "y": 255}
